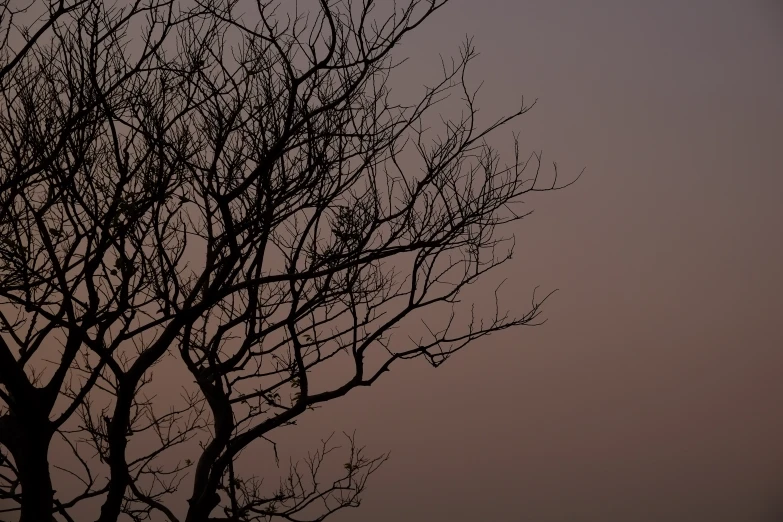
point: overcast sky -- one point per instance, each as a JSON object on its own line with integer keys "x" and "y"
{"x": 655, "y": 390}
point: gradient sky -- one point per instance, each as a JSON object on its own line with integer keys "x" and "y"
{"x": 655, "y": 390}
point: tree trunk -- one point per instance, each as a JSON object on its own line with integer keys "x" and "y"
{"x": 37, "y": 494}
{"x": 205, "y": 496}
{"x": 29, "y": 445}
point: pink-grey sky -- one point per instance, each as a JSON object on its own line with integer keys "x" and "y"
{"x": 655, "y": 390}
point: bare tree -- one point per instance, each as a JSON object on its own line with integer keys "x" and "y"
{"x": 228, "y": 191}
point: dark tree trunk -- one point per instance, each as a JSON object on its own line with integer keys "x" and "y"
{"x": 205, "y": 496}
{"x": 28, "y": 443}
{"x": 118, "y": 443}
{"x": 37, "y": 494}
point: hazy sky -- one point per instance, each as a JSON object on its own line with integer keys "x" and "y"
{"x": 655, "y": 391}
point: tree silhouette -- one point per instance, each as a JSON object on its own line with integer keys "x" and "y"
{"x": 226, "y": 191}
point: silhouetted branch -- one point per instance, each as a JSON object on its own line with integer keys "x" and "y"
{"x": 196, "y": 189}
